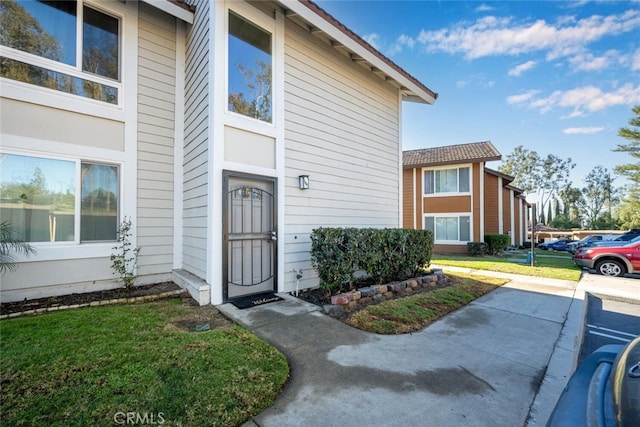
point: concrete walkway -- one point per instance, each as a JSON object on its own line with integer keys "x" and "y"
{"x": 503, "y": 360}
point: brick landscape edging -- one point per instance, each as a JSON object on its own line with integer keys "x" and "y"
{"x": 349, "y": 300}
{"x": 126, "y": 300}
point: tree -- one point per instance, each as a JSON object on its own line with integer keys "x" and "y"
{"x": 570, "y": 197}
{"x": 628, "y": 213}
{"x": 533, "y": 174}
{"x": 595, "y": 195}
{"x": 563, "y": 222}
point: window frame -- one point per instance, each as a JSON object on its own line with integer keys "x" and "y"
{"x": 54, "y": 251}
{"x": 434, "y": 170}
{"x": 267, "y": 24}
{"x": 456, "y": 215}
{"x": 78, "y": 162}
{"x": 28, "y": 92}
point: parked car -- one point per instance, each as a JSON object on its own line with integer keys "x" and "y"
{"x": 603, "y": 391}
{"x": 612, "y": 243}
{"x": 610, "y": 261}
{"x": 573, "y": 246}
{"x": 557, "y": 245}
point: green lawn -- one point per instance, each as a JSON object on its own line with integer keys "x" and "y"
{"x": 93, "y": 366}
{"x": 553, "y": 265}
{"x": 413, "y": 312}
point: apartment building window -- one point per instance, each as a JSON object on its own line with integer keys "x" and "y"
{"x": 449, "y": 228}
{"x": 66, "y": 46}
{"x": 39, "y": 196}
{"x": 249, "y": 69}
{"x": 453, "y": 180}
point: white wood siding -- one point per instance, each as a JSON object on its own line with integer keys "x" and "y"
{"x": 342, "y": 129}
{"x": 195, "y": 165}
{"x": 156, "y": 116}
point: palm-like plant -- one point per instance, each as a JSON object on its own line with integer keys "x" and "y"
{"x": 10, "y": 241}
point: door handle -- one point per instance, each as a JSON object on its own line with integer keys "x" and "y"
{"x": 272, "y": 233}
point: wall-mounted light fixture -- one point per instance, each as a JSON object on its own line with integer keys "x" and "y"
{"x": 303, "y": 182}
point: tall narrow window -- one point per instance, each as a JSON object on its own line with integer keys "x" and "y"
{"x": 99, "y": 207}
{"x": 100, "y": 44}
{"x": 250, "y": 74}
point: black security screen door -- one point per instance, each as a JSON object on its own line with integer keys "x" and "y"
{"x": 249, "y": 228}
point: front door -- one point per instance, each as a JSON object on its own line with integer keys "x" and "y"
{"x": 249, "y": 230}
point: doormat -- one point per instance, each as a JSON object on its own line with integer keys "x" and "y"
{"x": 255, "y": 300}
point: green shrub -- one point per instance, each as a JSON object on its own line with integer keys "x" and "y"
{"x": 496, "y": 242}
{"x": 383, "y": 254}
{"x": 477, "y": 248}
{"x": 334, "y": 256}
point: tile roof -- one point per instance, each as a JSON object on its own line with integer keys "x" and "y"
{"x": 451, "y": 154}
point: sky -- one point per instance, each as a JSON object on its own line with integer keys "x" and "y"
{"x": 557, "y": 77}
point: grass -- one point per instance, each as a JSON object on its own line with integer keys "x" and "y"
{"x": 414, "y": 312}
{"x": 552, "y": 265}
{"x": 92, "y": 366}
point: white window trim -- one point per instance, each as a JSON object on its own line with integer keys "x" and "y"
{"x": 28, "y": 92}
{"x": 450, "y": 215}
{"x": 448, "y": 167}
{"x": 47, "y": 251}
{"x": 234, "y": 119}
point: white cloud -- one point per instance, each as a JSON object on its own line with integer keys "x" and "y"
{"x": 583, "y": 130}
{"x": 492, "y": 36}
{"x": 373, "y": 39}
{"x": 484, "y": 8}
{"x": 401, "y": 42}
{"x": 519, "y": 69}
{"x": 590, "y": 62}
{"x": 523, "y": 97}
{"x": 477, "y": 80}
{"x": 582, "y": 99}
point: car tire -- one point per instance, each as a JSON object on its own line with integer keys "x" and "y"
{"x": 610, "y": 267}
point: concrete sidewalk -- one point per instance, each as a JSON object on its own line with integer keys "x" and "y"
{"x": 481, "y": 365}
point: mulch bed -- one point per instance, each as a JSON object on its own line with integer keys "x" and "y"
{"x": 320, "y": 297}
{"x": 86, "y": 298}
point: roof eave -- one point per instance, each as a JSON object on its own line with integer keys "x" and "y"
{"x": 174, "y": 8}
{"x": 451, "y": 162}
{"x": 412, "y": 90}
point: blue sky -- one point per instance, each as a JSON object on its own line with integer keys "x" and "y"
{"x": 556, "y": 77}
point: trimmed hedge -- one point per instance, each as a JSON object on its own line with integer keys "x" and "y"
{"x": 496, "y": 242}
{"x": 383, "y": 254}
{"x": 477, "y": 248}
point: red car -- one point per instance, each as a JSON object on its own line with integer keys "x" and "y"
{"x": 610, "y": 261}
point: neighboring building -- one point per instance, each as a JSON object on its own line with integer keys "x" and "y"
{"x": 449, "y": 191}
{"x": 202, "y": 123}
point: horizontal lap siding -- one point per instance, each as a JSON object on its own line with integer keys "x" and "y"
{"x": 156, "y": 116}
{"x": 195, "y": 167}
{"x": 341, "y": 129}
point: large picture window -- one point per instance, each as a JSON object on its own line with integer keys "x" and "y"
{"x": 249, "y": 70}
{"x": 38, "y": 197}
{"x": 455, "y": 180}
{"x": 48, "y": 30}
{"x": 449, "y": 228}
